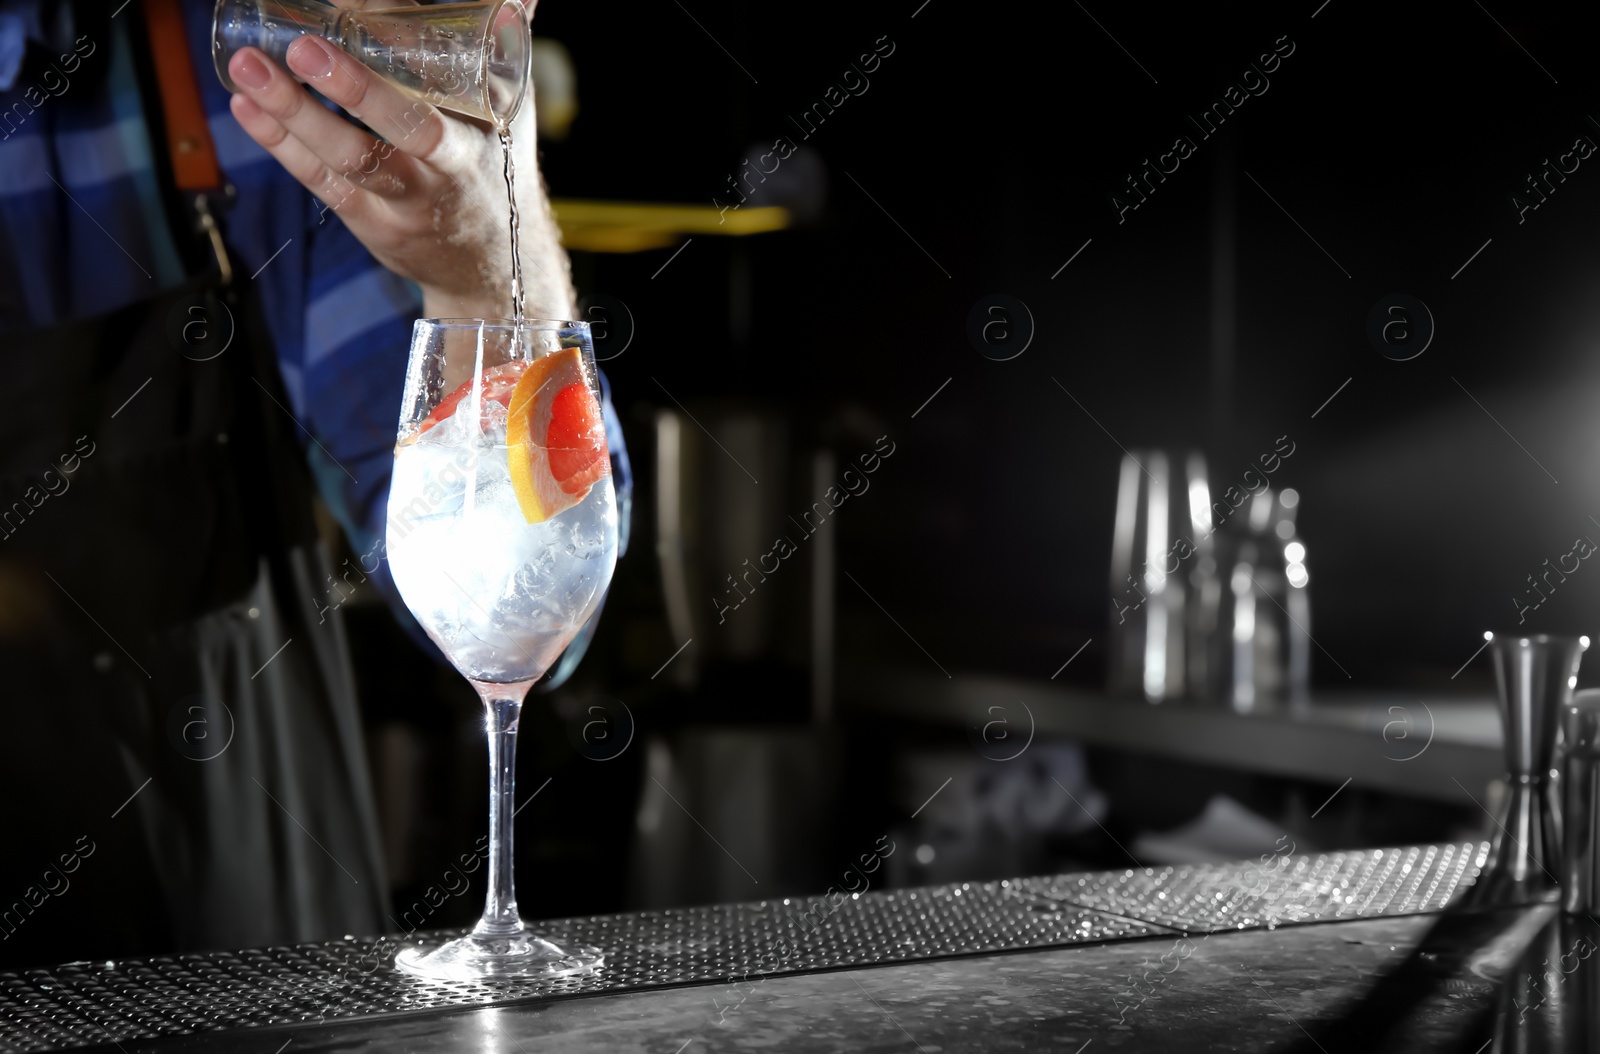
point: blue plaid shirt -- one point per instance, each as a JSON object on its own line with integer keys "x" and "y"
{"x": 81, "y": 213}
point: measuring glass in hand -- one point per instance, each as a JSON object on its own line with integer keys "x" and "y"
{"x": 471, "y": 59}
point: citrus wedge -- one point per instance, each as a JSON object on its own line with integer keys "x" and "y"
{"x": 497, "y": 386}
{"x": 555, "y": 436}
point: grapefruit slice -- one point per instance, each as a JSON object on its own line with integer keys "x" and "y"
{"x": 498, "y": 384}
{"x": 555, "y": 436}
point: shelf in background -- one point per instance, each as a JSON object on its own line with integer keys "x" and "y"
{"x": 1416, "y": 744}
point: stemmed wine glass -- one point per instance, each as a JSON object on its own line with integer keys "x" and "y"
{"x": 502, "y": 537}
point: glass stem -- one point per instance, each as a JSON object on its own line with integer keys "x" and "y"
{"x": 500, "y": 917}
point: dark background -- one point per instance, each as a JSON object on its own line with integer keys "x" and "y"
{"x": 1394, "y": 135}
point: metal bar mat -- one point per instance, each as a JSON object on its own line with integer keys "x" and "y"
{"x": 91, "y": 1004}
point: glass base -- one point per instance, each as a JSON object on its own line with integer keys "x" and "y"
{"x": 475, "y": 958}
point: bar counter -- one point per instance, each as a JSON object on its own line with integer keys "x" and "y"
{"x": 1283, "y": 953}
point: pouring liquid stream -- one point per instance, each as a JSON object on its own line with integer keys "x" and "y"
{"x": 511, "y": 200}
{"x": 517, "y": 308}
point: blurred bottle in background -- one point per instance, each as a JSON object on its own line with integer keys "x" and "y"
{"x": 1161, "y": 564}
{"x": 1262, "y": 647}
{"x": 1207, "y": 603}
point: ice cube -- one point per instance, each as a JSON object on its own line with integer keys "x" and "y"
{"x": 493, "y": 425}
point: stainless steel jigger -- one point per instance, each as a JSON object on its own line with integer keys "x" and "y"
{"x": 1580, "y": 856}
{"x": 1535, "y": 676}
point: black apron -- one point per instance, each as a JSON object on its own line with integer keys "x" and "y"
{"x": 181, "y": 759}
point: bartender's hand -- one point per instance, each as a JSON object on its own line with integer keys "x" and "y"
{"x": 430, "y": 203}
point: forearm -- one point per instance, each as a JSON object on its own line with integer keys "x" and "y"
{"x": 546, "y": 271}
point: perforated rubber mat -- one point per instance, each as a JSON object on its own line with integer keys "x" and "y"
{"x": 1276, "y": 890}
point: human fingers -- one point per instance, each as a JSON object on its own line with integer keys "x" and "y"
{"x": 338, "y": 190}
{"x": 413, "y": 125}
{"x": 335, "y": 142}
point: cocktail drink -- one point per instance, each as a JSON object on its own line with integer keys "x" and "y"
{"x": 502, "y": 537}
{"x": 502, "y": 532}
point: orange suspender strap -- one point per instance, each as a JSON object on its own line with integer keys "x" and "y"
{"x": 194, "y": 158}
